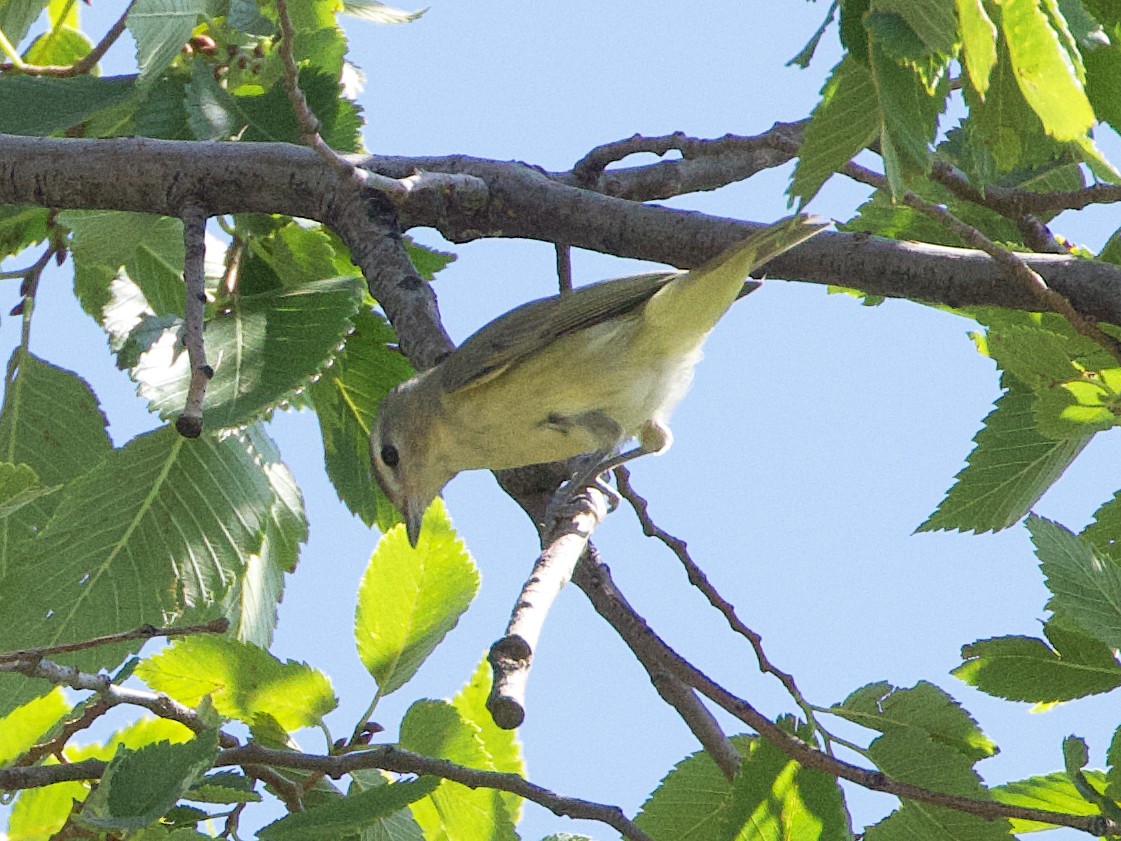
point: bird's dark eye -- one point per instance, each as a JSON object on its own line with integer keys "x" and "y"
{"x": 389, "y": 455}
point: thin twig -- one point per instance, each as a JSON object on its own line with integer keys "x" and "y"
{"x": 564, "y": 267}
{"x": 189, "y": 423}
{"x": 698, "y": 579}
{"x": 1011, "y": 263}
{"x": 390, "y": 758}
{"x": 87, "y": 62}
{"x": 594, "y": 579}
{"x": 289, "y": 792}
{"x": 112, "y": 693}
{"x": 386, "y": 758}
{"x": 92, "y": 711}
{"x": 144, "y": 632}
{"x": 307, "y": 121}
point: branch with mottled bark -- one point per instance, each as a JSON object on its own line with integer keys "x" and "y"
{"x": 511, "y": 657}
{"x": 471, "y": 198}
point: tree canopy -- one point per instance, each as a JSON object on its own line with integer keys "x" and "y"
{"x": 232, "y": 219}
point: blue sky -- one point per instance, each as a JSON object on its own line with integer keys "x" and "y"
{"x": 818, "y": 435}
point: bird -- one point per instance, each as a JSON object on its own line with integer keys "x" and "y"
{"x": 582, "y": 372}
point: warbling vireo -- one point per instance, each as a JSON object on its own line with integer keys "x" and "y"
{"x": 580, "y": 372}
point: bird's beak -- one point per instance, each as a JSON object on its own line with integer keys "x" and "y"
{"x": 414, "y": 517}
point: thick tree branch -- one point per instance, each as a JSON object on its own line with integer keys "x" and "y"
{"x": 511, "y": 657}
{"x": 471, "y": 198}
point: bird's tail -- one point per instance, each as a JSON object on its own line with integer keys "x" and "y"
{"x": 702, "y": 295}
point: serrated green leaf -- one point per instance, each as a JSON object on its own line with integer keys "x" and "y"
{"x": 20, "y": 227}
{"x": 150, "y": 248}
{"x": 43, "y": 105}
{"x": 268, "y": 117}
{"x": 932, "y": 21}
{"x": 1076, "y": 753}
{"x": 806, "y": 54}
{"x": 1072, "y": 398}
{"x": 24, "y": 726}
{"x": 40, "y": 813}
{"x": 144, "y": 731}
{"x": 1085, "y": 586}
{"x": 159, "y": 530}
{"x": 62, "y": 13}
{"x": 160, "y": 29}
{"x": 244, "y": 682}
{"x": 771, "y": 797}
{"x": 16, "y": 17}
{"x": 909, "y": 755}
{"x": 60, "y": 46}
{"x": 1059, "y": 176}
{"x": 1104, "y": 531}
{"x": 211, "y": 109}
{"x": 694, "y": 800}
{"x": 502, "y": 747}
{"x": 175, "y": 820}
{"x": 978, "y": 36}
{"x": 1036, "y": 357}
{"x": 409, "y": 599}
{"x": 19, "y": 486}
{"x": 427, "y": 261}
{"x": 161, "y": 112}
{"x": 883, "y": 707}
{"x": 1113, "y": 771}
{"x": 908, "y": 117}
{"x": 1009, "y": 469}
{"x": 252, "y": 601}
{"x": 298, "y": 254}
{"x": 346, "y": 397}
{"x": 224, "y": 787}
{"x": 854, "y": 38}
{"x": 1005, "y": 134}
{"x": 1044, "y": 71}
{"x": 435, "y": 728}
{"x": 262, "y": 348}
{"x": 1052, "y": 792}
{"x": 338, "y": 819}
{"x": 140, "y": 785}
{"x": 51, "y": 421}
{"x": 1021, "y": 668}
{"x": 1089, "y": 153}
{"x": 845, "y": 121}
{"x": 774, "y": 798}
{"x": 1080, "y": 407}
{"x": 1103, "y": 69}
{"x": 376, "y": 12}
{"x": 882, "y": 216}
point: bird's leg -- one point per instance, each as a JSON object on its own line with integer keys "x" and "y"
{"x": 654, "y": 437}
{"x": 588, "y": 474}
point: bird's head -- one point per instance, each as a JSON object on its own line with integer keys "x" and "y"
{"x": 404, "y": 452}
